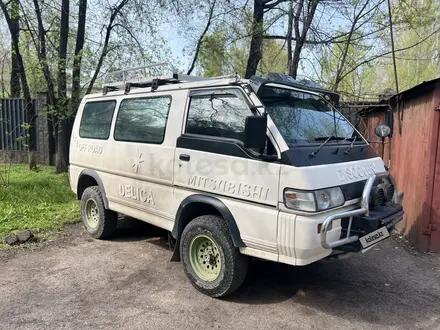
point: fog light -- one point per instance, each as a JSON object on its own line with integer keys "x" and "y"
{"x": 389, "y": 192}
{"x": 377, "y": 197}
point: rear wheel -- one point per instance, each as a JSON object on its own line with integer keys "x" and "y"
{"x": 211, "y": 261}
{"x": 98, "y": 221}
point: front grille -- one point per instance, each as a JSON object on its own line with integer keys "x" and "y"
{"x": 353, "y": 190}
{"x": 383, "y": 191}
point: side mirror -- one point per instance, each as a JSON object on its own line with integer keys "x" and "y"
{"x": 382, "y": 131}
{"x": 255, "y": 132}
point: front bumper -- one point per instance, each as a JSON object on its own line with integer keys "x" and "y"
{"x": 359, "y": 222}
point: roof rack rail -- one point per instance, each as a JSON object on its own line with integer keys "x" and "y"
{"x": 152, "y": 75}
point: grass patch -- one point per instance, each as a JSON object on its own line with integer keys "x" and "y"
{"x": 36, "y": 200}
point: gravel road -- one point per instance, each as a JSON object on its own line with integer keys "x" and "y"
{"x": 128, "y": 283}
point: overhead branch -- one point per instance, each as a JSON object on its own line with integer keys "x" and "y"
{"x": 372, "y": 58}
{"x": 115, "y": 11}
{"x": 202, "y": 36}
{"x": 131, "y": 35}
{"x": 341, "y": 63}
{"x": 268, "y": 6}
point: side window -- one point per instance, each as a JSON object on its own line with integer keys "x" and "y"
{"x": 97, "y": 119}
{"x": 142, "y": 119}
{"x": 221, "y": 115}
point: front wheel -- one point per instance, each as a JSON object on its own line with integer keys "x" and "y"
{"x": 211, "y": 261}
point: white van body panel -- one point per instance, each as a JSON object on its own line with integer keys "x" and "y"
{"x": 330, "y": 175}
{"x": 150, "y": 181}
{"x": 248, "y": 188}
{"x": 298, "y": 231}
{"x": 137, "y": 177}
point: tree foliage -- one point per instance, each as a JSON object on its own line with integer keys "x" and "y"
{"x": 419, "y": 63}
{"x": 68, "y": 47}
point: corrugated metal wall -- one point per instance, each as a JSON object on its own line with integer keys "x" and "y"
{"x": 433, "y": 240}
{"x": 12, "y": 117}
{"x": 414, "y": 157}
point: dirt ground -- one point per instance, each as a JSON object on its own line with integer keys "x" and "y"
{"x": 128, "y": 283}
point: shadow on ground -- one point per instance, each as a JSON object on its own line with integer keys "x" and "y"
{"x": 363, "y": 288}
{"x": 381, "y": 287}
{"x": 132, "y": 230}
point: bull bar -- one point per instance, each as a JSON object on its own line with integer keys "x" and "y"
{"x": 363, "y": 210}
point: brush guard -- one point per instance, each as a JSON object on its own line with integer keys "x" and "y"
{"x": 364, "y": 210}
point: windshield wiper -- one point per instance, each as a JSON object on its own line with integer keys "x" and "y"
{"x": 351, "y": 146}
{"x": 332, "y": 137}
{"x": 327, "y": 138}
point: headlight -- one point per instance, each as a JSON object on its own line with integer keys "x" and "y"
{"x": 312, "y": 201}
{"x": 299, "y": 200}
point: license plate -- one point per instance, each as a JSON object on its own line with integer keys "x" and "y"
{"x": 374, "y": 237}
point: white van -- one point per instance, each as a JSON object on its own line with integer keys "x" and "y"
{"x": 233, "y": 168}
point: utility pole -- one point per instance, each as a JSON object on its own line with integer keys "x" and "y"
{"x": 390, "y": 18}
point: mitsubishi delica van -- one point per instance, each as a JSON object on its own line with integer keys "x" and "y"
{"x": 232, "y": 168}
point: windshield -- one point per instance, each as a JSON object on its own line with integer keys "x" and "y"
{"x": 305, "y": 118}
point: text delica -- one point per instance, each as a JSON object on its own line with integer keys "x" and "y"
{"x": 136, "y": 193}
{"x": 232, "y": 188}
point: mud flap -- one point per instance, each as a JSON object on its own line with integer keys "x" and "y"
{"x": 174, "y": 246}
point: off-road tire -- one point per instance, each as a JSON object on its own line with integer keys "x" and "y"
{"x": 107, "y": 220}
{"x": 234, "y": 265}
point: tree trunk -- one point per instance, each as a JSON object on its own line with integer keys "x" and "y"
{"x": 40, "y": 45}
{"x": 42, "y": 56}
{"x": 301, "y": 36}
{"x": 62, "y": 51}
{"x": 29, "y": 105}
{"x": 62, "y": 152}
{"x": 289, "y": 36}
{"x": 293, "y": 70}
{"x": 61, "y": 161}
{"x": 15, "y": 29}
{"x": 76, "y": 74}
{"x": 255, "y": 53}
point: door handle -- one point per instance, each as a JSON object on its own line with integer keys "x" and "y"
{"x": 184, "y": 158}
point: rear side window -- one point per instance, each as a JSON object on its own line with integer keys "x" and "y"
{"x": 221, "y": 115}
{"x": 97, "y": 119}
{"x": 143, "y": 119}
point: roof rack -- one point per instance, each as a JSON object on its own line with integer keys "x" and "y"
{"x": 152, "y": 75}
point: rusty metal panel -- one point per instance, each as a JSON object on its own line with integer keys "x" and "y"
{"x": 433, "y": 227}
{"x": 413, "y": 158}
{"x": 367, "y": 127}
